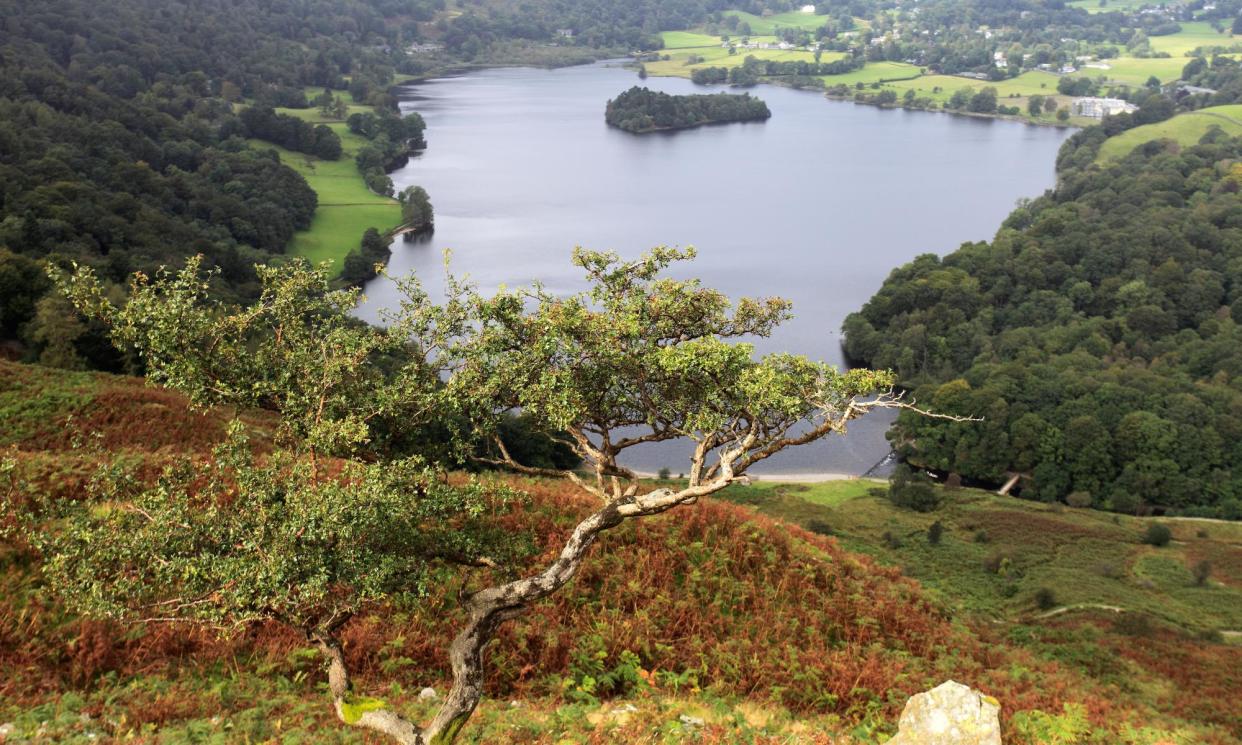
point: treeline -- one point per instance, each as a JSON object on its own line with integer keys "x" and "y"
{"x": 417, "y": 216}
{"x": 641, "y": 110}
{"x": 752, "y": 69}
{"x": 393, "y": 138}
{"x": 1098, "y": 336}
{"x": 120, "y": 148}
{"x": 288, "y": 131}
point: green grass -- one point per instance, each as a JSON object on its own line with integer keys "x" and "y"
{"x": 1093, "y": 6}
{"x": 768, "y": 25}
{"x": 718, "y": 56}
{"x": 688, "y": 40}
{"x": 346, "y": 206}
{"x": 1085, "y": 557}
{"x": 1193, "y": 34}
{"x": 1184, "y": 129}
{"x": 1026, "y": 84}
{"x": 1135, "y": 72}
{"x": 874, "y": 72}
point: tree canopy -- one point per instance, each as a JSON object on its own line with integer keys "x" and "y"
{"x": 1097, "y": 334}
{"x": 329, "y": 516}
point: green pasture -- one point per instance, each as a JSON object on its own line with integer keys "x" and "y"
{"x": 688, "y": 40}
{"x": 874, "y": 72}
{"x": 769, "y": 24}
{"x": 1134, "y": 71}
{"x": 718, "y": 56}
{"x": 1094, "y": 6}
{"x": 1010, "y": 92}
{"x": 1184, "y": 129}
{"x": 1084, "y": 557}
{"x": 1193, "y": 34}
{"x": 346, "y": 206}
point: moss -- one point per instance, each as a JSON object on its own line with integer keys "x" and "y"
{"x": 354, "y": 707}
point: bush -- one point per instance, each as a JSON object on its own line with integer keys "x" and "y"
{"x": 1201, "y": 571}
{"x": 663, "y": 474}
{"x": 890, "y": 540}
{"x": 1045, "y": 599}
{"x": 912, "y": 491}
{"x": 934, "y": 533}
{"x": 997, "y": 562}
{"x": 819, "y": 527}
{"x": 981, "y": 536}
{"x": 1157, "y": 535}
{"x": 1079, "y": 499}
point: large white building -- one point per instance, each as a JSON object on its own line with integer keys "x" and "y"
{"x": 1098, "y": 108}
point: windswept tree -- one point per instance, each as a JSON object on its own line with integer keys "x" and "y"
{"x": 330, "y": 518}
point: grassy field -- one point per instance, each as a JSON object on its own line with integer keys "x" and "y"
{"x": 714, "y": 55}
{"x": 1087, "y": 559}
{"x": 1193, "y": 34}
{"x": 768, "y": 25}
{"x": 874, "y": 72}
{"x": 1026, "y": 84}
{"x": 1134, "y": 71}
{"x": 346, "y": 206}
{"x": 1093, "y": 6}
{"x": 1185, "y": 129}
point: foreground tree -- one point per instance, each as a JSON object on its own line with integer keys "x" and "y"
{"x": 330, "y": 518}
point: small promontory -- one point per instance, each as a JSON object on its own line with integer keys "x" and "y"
{"x": 640, "y": 110}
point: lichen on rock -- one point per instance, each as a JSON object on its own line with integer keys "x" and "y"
{"x": 949, "y": 714}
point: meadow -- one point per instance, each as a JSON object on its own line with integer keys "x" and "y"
{"x": 680, "y": 46}
{"x": 346, "y": 206}
{"x": 767, "y": 25}
{"x": 1184, "y": 129}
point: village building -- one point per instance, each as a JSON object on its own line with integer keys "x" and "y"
{"x": 1098, "y": 108}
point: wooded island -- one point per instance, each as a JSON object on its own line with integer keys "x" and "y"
{"x": 640, "y": 110}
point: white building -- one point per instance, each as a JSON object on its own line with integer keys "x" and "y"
{"x": 1098, "y": 108}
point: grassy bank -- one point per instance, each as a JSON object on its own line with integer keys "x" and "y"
{"x": 346, "y": 206}
{"x": 1184, "y": 129}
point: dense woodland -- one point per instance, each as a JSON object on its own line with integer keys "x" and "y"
{"x": 120, "y": 148}
{"x": 642, "y": 110}
{"x": 1097, "y": 336}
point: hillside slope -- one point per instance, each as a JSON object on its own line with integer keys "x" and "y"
{"x": 724, "y": 606}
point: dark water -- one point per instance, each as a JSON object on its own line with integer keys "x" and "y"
{"x": 817, "y": 204}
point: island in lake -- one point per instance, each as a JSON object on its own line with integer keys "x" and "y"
{"x": 640, "y": 110}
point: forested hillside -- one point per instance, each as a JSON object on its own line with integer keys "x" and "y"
{"x": 120, "y": 146}
{"x": 1097, "y": 335}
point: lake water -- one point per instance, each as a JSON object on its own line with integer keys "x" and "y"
{"x": 817, "y": 204}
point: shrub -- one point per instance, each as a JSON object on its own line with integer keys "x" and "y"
{"x": 953, "y": 481}
{"x": 819, "y": 527}
{"x": 1133, "y": 624}
{"x": 1045, "y": 598}
{"x": 912, "y": 491}
{"x": 1157, "y": 535}
{"x": 663, "y": 474}
{"x": 1201, "y": 571}
{"x": 1079, "y": 499}
{"x": 890, "y": 540}
{"x": 997, "y": 562}
{"x": 934, "y": 533}
{"x": 981, "y": 536}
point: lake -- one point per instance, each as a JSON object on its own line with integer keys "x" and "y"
{"x": 818, "y": 204}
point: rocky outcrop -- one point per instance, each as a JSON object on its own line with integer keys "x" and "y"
{"x": 949, "y": 714}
